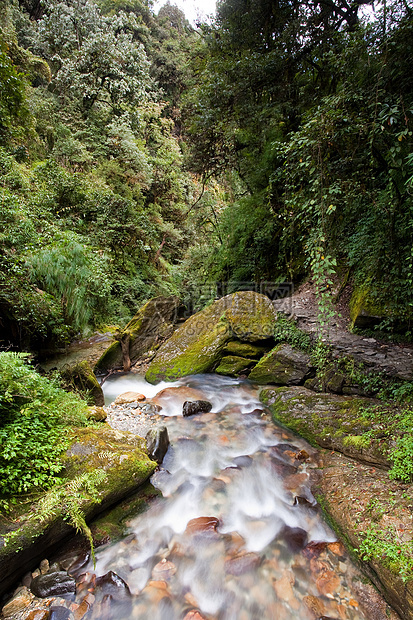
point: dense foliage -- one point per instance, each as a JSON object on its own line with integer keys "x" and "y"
{"x": 312, "y": 107}
{"x": 93, "y": 189}
{"x": 140, "y": 156}
{"x": 35, "y": 414}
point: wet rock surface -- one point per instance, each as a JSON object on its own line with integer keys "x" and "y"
{"x": 51, "y": 584}
{"x": 197, "y": 406}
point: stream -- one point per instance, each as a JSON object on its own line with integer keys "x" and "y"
{"x": 237, "y": 534}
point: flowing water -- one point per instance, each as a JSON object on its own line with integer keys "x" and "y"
{"x": 237, "y": 534}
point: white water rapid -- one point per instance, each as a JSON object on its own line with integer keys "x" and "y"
{"x": 237, "y": 534}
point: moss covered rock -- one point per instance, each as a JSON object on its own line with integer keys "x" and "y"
{"x": 152, "y": 324}
{"x": 282, "y": 366}
{"x": 197, "y": 346}
{"x": 80, "y": 377}
{"x": 124, "y": 465}
{"x": 330, "y": 421}
{"x": 247, "y": 349}
{"x": 231, "y": 365}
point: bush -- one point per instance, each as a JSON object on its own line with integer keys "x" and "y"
{"x": 35, "y": 415}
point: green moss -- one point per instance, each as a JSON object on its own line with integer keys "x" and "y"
{"x": 111, "y": 358}
{"x": 232, "y": 365}
{"x": 245, "y": 349}
{"x": 282, "y": 366}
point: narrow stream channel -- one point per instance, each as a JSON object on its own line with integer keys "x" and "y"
{"x": 237, "y": 534}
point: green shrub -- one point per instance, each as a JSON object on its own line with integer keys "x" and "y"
{"x": 35, "y": 415}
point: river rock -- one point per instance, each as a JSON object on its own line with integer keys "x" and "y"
{"x": 129, "y": 397}
{"x": 164, "y": 570}
{"x": 19, "y": 602}
{"x": 193, "y": 407}
{"x": 176, "y": 396}
{"x": 202, "y": 525}
{"x": 242, "y": 563}
{"x": 38, "y": 614}
{"x": 197, "y": 345}
{"x": 157, "y": 443}
{"x": 112, "y": 584}
{"x": 58, "y": 612}
{"x": 53, "y": 584}
{"x": 295, "y": 537}
{"x": 282, "y": 366}
{"x": 153, "y": 323}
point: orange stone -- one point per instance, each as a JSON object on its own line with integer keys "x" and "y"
{"x": 202, "y": 525}
{"x": 327, "y": 582}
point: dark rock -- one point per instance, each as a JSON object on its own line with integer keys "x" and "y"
{"x": 81, "y": 561}
{"x": 314, "y": 549}
{"x": 53, "y": 584}
{"x": 243, "y": 461}
{"x": 60, "y": 613}
{"x": 113, "y": 585}
{"x": 193, "y": 407}
{"x": 157, "y": 443}
{"x": 295, "y": 537}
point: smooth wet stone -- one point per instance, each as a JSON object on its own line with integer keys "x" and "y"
{"x": 19, "y": 602}
{"x": 284, "y": 590}
{"x": 156, "y": 591}
{"x": 157, "y": 443}
{"x": 193, "y": 407}
{"x": 315, "y": 605}
{"x": 295, "y": 538}
{"x": 164, "y": 570}
{"x": 53, "y": 584}
{"x": 112, "y": 584}
{"x": 242, "y": 563}
{"x": 202, "y": 525}
{"x": 193, "y": 615}
{"x": 60, "y": 613}
{"x": 129, "y": 397}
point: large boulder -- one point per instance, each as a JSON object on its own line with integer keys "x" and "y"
{"x": 153, "y": 323}
{"x": 333, "y": 422}
{"x": 282, "y": 366}
{"x": 123, "y": 459}
{"x": 196, "y": 347}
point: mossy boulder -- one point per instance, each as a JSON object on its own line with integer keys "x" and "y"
{"x": 196, "y": 347}
{"x": 152, "y": 324}
{"x": 283, "y": 365}
{"x": 80, "y": 377}
{"x": 330, "y": 421}
{"x": 29, "y": 536}
{"x": 247, "y": 349}
{"x": 231, "y": 365}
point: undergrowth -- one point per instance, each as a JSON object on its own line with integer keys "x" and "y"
{"x": 35, "y": 416}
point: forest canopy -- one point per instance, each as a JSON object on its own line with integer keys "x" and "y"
{"x": 141, "y": 155}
